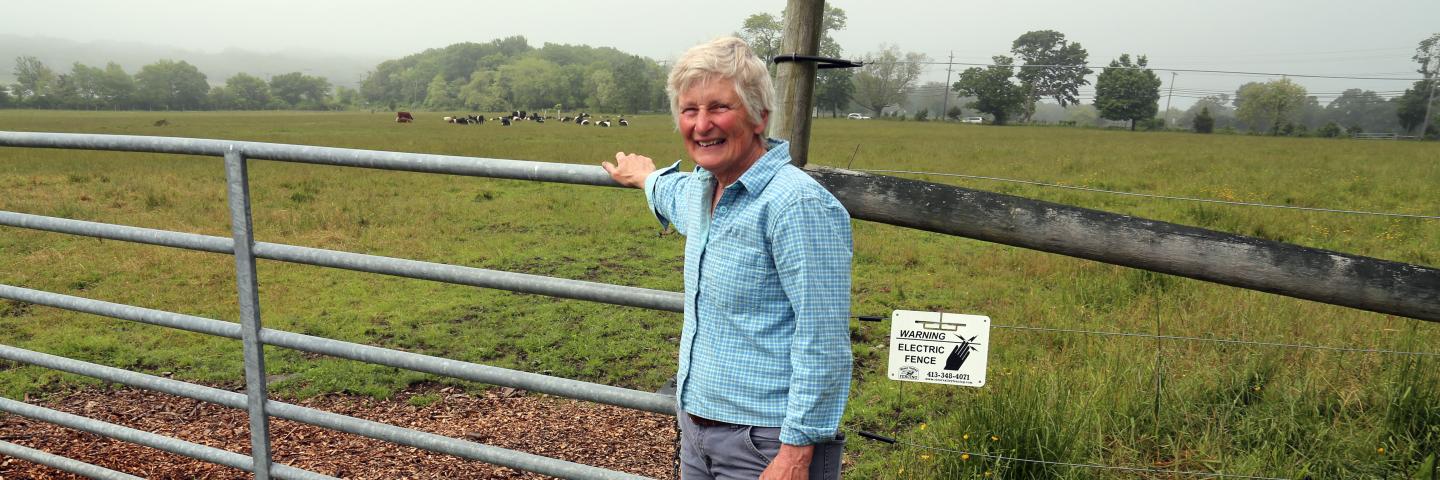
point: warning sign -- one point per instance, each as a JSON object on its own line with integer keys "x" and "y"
{"x": 936, "y": 347}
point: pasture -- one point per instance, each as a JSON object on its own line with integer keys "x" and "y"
{"x": 1250, "y": 409}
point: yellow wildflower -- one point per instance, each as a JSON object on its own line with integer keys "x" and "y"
{"x": 964, "y": 457}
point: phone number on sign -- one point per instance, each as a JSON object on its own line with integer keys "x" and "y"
{"x": 948, "y": 376}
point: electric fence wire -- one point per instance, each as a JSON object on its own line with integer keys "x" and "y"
{"x": 873, "y": 318}
{"x": 1220, "y": 340}
{"x": 1149, "y": 195}
{"x": 1085, "y": 465}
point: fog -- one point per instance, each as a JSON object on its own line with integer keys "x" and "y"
{"x": 1298, "y": 38}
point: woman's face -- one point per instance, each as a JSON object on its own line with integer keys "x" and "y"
{"x": 719, "y": 134}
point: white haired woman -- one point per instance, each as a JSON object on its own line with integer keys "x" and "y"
{"x": 764, "y": 367}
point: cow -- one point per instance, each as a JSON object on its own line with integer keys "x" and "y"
{"x": 403, "y": 117}
{"x": 624, "y": 123}
{"x": 604, "y": 123}
{"x": 505, "y": 121}
{"x": 480, "y": 120}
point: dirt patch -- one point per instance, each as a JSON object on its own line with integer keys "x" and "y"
{"x": 600, "y": 435}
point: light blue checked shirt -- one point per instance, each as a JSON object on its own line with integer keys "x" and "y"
{"x": 767, "y": 296}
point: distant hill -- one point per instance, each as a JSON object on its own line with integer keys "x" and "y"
{"x": 58, "y": 54}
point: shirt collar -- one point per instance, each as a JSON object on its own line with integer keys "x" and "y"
{"x": 777, "y": 155}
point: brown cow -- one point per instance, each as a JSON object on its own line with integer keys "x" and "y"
{"x": 403, "y": 117}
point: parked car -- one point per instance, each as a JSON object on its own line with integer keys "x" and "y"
{"x": 856, "y": 116}
{"x": 973, "y": 120}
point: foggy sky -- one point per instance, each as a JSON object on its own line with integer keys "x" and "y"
{"x": 1311, "y": 37}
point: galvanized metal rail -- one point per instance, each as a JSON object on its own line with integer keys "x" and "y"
{"x": 250, "y": 331}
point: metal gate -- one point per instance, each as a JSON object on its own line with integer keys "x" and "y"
{"x": 249, "y": 331}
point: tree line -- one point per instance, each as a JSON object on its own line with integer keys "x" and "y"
{"x": 164, "y": 85}
{"x": 1053, "y": 68}
{"x": 508, "y": 73}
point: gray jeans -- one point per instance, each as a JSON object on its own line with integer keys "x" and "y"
{"x": 735, "y": 452}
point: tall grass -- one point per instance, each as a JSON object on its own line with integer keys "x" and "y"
{"x": 1059, "y": 397}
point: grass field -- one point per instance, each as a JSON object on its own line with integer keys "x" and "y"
{"x": 1060, "y": 397}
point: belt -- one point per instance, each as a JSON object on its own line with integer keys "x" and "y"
{"x": 708, "y": 423}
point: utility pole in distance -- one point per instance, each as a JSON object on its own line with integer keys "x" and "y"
{"x": 1425, "y": 123}
{"x": 945, "y": 110}
{"x": 1167, "y": 100}
{"x": 796, "y": 80}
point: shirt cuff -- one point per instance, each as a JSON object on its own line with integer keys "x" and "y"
{"x": 801, "y": 436}
{"x": 650, "y": 181}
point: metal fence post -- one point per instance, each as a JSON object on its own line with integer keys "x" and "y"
{"x": 238, "y": 189}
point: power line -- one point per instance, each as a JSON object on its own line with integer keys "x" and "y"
{"x": 1147, "y": 195}
{"x": 1187, "y": 70}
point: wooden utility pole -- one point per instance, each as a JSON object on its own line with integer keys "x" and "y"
{"x": 1167, "y": 100}
{"x": 1432, "y": 80}
{"x": 796, "y": 80}
{"x": 945, "y": 110}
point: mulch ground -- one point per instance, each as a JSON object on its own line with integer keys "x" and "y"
{"x": 600, "y": 435}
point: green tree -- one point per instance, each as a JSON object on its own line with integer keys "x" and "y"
{"x": 833, "y": 90}
{"x": 1203, "y": 123}
{"x": 1127, "y": 91}
{"x": 347, "y": 97}
{"x": 87, "y": 82}
{"x": 247, "y": 92}
{"x": 1329, "y": 130}
{"x": 220, "y": 98}
{"x": 993, "y": 90}
{"x": 480, "y": 93}
{"x": 33, "y": 79}
{"x": 298, "y": 90}
{"x": 1410, "y": 108}
{"x": 65, "y": 93}
{"x": 762, "y": 31}
{"x": 1427, "y": 54}
{"x": 1219, "y": 108}
{"x": 171, "y": 85}
{"x": 601, "y": 85}
{"x": 633, "y": 82}
{"x": 1054, "y": 68}
{"x": 5, "y": 101}
{"x": 438, "y": 95}
{"x": 117, "y": 88}
{"x": 1362, "y": 107}
{"x": 954, "y": 113}
{"x": 886, "y": 76}
{"x": 1273, "y": 104}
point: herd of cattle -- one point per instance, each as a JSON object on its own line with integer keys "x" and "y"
{"x": 582, "y": 118}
